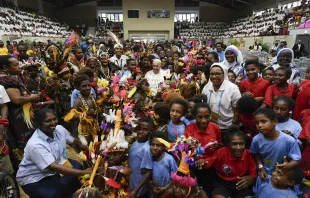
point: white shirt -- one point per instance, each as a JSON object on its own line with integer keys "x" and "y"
{"x": 4, "y": 98}
{"x": 155, "y": 79}
{"x": 119, "y": 62}
{"x": 223, "y": 101}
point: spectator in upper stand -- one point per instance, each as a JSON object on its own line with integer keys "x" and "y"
{"x": 298, "y": 49}
{"x": 3, "y": 49}
{"x": 220, "y": 52}
{"x": 283, "y": 44}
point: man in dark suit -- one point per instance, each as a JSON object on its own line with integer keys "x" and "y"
{"x": 298, "y": 49}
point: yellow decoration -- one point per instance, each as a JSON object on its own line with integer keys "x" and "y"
{"x": 164, "y": 142}
{"x": 118, "y": 120}
{"x": 132, "y": 92}
{"x": 28, "y": 114}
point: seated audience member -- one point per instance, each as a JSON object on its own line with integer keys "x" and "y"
{"x": 45, "y": 160}
{"x": 280, "y": 87}
{"x": 235, "y": 167}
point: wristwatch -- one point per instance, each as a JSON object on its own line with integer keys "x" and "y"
{"x": 260, "y": 166}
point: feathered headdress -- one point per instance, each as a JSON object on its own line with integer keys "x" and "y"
{"x": 31, "y": 62}
{"x": 118, "y": 43}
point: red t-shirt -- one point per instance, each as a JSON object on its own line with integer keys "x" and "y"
{"x": 229, "y": 168}
{"x": 249, "y": 124}
{"x": 213, "y": 132}
{"x": 257, "y": 88}
{"x": 274, "y": 90}
{"x": 302, "y": 101}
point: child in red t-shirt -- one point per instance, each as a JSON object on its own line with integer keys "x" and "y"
{"x": 280, "y": 88}
{"x": 235, "y": 167}
{"x": 246, "y": 107}
{"x": 253, "y": 85}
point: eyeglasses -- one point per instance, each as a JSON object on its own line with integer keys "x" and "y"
{"x": 215, "y": 74}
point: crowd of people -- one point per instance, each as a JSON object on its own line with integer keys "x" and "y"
{"x": 22, "y": 23}
{"x": 168, "y": 119}
{"x": 273, "y": 21}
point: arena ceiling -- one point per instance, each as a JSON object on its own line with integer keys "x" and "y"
{"x": 178, "y": 3}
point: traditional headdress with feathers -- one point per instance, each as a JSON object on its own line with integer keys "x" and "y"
{"x": 118, "y": 43}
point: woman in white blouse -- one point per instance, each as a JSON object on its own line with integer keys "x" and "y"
{"x": 222, "y": 97}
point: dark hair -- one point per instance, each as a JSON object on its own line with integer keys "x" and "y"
{"x": 251, "y": 62}
{"x": 199, "y": 106}
{"x": 182, "y": 102}
{"x": 75, "y": 49}
{"x": 219, "y": 43}
{"x": 162, "y": 109}
{"x": 231, "y": 71}
{"x": 87, "y": 71}
{"x": 287, "y": 71}
{"x": 129, "y": 60}
{"x": 216, "y": 56}
{"x": 268, "y": 68}
{"x": 147, "y": 120}
{"x": 4, "y": 61}
{"x": 289, "y": 101}
{"x": 295, "y": 174}
{"x": 78, "y": 79}
{"x": 269, "y": 113}
{"x": 194, "y": 70}
{"x": 247, "y": 104}
{"x": 206, "y": 70}
{"x": 233, "y": 131}
{"x": 158, "y": 134}
{"x": 190, "y": 99}
{"x": 200, "y": 98}
{"x": 41, "y": 114}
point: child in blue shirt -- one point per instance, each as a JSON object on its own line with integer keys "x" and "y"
{"x": 279, "y": 184}
{"x": 270, "y": 146}
{"x": 140, "y": 160}
{"x": 176, "y": 127}
{"x": 163, "y": 164}
{"x": 282, "y": 106}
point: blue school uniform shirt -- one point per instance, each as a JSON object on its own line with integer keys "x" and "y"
{"x": 274, "y": 151}
{"x": 293, "y": 126}
{"x": 75, "y": 95}
{"x": 162, "y": 170}
{"x": 187, "y": 121}
{"x": 175, "y": 131}
{"x": 140, "y": 158}
{"x": 264, "y": 189}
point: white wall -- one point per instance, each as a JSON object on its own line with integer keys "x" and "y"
{"x": 144, "y": 24}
